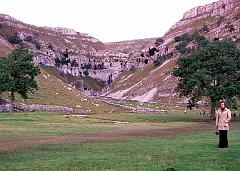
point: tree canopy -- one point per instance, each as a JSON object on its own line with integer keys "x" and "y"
{"x": 212, "y": 71}
{"x": 17, "y": 73}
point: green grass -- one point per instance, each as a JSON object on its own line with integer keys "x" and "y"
{"x": 194, "y": 151}
{"x": 52, "y": 91}
{"x": 171, "y": 116}
{"x": 49, "y": 123}
{"x": 55, "y": 123}
{"x": 89, "y": 82}
{"x": 136, "y": 104}
{"x": 93, "y": 83}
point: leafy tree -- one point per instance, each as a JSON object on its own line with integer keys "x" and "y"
{"x": 17, "y": 74}
{"x": 213, "y": 72}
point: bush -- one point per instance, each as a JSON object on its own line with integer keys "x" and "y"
{"x": 74, "y": 63}
{"x": 15, "y": 39}
{"x": 151, "y": 51}
{"x": 177, "y": 38}
{"x": 205, "y": 29}
{"x": 61, "y": 61}
{"x": 132, "y": 68}
{"x": 57, "y": 62}
{"x": 230, "y": 27}
{"x": 220, "y": 20}
{"x": 159, "y": 41}
{"x": 181, "y": 47}
{"x": 158, "y": 62}
{"x": 29, "y": 39}
{"x": 146, "y": 61}
{"x": 37, "y": 45}
{"x": 50, "y": 46}
{"x": 85, "y": 72}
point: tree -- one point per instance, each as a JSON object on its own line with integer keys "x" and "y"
{"x": 17, "y": 74}
{"x": 213, "y": 72}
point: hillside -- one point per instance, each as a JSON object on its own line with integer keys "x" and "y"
{"x": 125, "y": 69}
{"x": 53, "y": 91}
{"x": 217, "y": 20}
{"x": 131, "y": 46}
{"x": 72, "y": 52}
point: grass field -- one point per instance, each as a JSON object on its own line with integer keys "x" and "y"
{"x": 195, "y": 151}
{"x": 54, "y": 123}
{"x": 173, "y": 141}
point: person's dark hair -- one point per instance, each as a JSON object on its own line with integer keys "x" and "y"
{"x": 222, "y": 101}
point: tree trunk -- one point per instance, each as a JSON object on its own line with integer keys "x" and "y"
{"x": 11, "y": 102}
{"x": 213, "y": 110}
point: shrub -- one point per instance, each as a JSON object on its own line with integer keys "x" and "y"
{"x": 205, "y": 29}
{"x": 151, "y": 51}
{"x": 37, "y": 44}
{"x": 158, "y": 62}
{"x": 74, "y": 63}
{"x": 85, "y": 72}
{"x": 29, "y": 39}
{"x": 159, "y": 41}
{"x": 15, "y": 39}
{"x": 50, "y": 46}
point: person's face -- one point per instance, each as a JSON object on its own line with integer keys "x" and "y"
{"x": 222, "y": 105}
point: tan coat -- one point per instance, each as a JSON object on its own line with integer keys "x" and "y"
{"x": 222, "y": 119}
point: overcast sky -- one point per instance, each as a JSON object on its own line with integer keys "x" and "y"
{"x": 107, "y": 20}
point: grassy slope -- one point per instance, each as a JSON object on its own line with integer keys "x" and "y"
{"x": 88, "y": 82}
{"x": 146, "y": 79}
{"x": 4, "y": 50}
{"x": 53, "y": 91}
{"x": 121, "y": 83}
{"x": 196, "y": 151}
{"x": 93, "y": 83}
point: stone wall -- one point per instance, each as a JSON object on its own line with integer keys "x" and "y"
{"x": 35, "y": 107}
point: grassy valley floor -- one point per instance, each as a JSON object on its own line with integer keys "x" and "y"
{"x": 173, "y": 141}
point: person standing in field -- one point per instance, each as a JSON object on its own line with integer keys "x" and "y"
{"x": 223, "y": 116}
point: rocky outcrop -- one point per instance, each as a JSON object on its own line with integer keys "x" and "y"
{"x": 214, "y": 9}
{"x": 209, "y": 12}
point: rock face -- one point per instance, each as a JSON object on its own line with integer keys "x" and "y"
{"x": 125, "y": 68}
{"x": 214, "y": 9}
{"x": 71, "y": 52}
{"x": 216, "y": 20}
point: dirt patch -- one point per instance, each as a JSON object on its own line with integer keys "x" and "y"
{"x": 21, "y": 142}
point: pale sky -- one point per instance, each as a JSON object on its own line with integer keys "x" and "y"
{"x": 106, "y": 20}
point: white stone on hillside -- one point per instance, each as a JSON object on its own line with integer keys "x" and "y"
{"x": 146, "y": 97}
